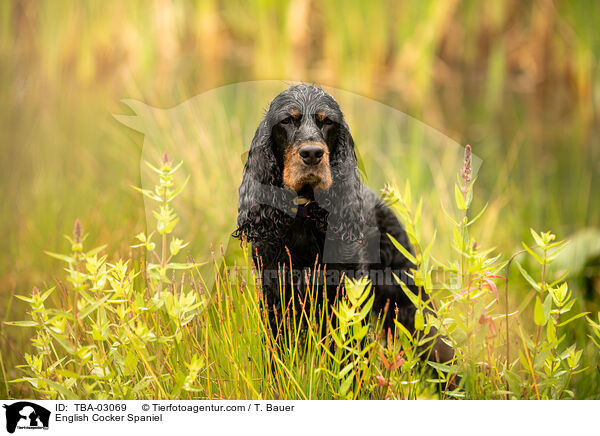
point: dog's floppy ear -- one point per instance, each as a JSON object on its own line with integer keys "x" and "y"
{"x": 259, "y": 188}
{"x": 344, "y": 199}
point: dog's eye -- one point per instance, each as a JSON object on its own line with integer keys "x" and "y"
{"x": 286, "y": 120}
{"x": 324, "y": 121}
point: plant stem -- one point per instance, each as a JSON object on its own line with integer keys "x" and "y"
{"x": 542, "y": 288}
{"x": 506, "y": 307}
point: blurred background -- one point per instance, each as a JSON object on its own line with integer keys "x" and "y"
{"x": 518, "y": 80}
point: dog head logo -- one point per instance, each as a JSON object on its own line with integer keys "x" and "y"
{"x": 26, "y": 415}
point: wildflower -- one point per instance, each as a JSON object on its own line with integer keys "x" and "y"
{"x": 77, "y": 232}
{"x": 467, "y": 171}
{"x": 76, "y": 242}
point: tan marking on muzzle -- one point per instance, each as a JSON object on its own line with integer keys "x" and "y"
{"x": 296, "y": 174}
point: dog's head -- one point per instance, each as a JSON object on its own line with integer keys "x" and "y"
{"x": 305, "y": 125}
{"x": 302, "y": 146}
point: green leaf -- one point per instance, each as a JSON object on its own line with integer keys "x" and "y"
{"x": 452, "y": 220}
{"x": 148, "y": 193}
{"x": 345, "y": 386}
{"x": 22, "y": 323}
{"x": 538, "y": 313}
{"x": 551, "y": 332}
{"x": 142, "y": 385}
{"x": 547, "y": 307}
{"x": 478, "y": 215}
{"x": 92, "y": 307}
{"x": 46, "y": 294}
{"x": 459, "y": 241}
{"x": 574, "y": 358}
{"x": 528, "y": 277}
{"x": 530, "y": 251}
{"x": 181, "y": 266}
{"x": 514, "y": 382}
{"x": 166, "y": 227}
{"x": 96, "y": 250}
{"x": 361, "y": 333}
{"x": 403, "y": 330}
{"x": 62, "y": 257}
{"x": 335, "y": 337}
{"x": 177, "y": 191}
{"x": 131, "y": 361}
{"x": 66, "y": 393}
{"x": 411, "y": 296}
{"x": 450, "y": 369}
{"x": 141, "y": 237}
{"x": 175, "y": 168}
{"x": 366, "y": 310}
{"x": 63, "y": 342}
{"x": 24, "y": 298}
{"x": 469, "y": 196}
{"x": 573, "y": 318}
{"x": 402, "y": 249}
{"x": 538, "y": 363}
{"x": 419, "y": 320}
{"x": 460, "y": 199}
{"x": 429, "y": 246}
{"x": 346, "y": 370}
{"x": 153, "y": 168}
{"x": 176, "y": 245}
{"x": 538, "y": 240}
{"x": 68, "y": 374}
{"x": 566, "y": 307}
{"x": 560, "y": 279}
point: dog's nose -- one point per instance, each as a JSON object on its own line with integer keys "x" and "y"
{"x": 311, "y": 154}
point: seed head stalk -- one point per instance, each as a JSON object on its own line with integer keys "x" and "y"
{"x": 165, "y": 168}
{"x": 467, "y": 175}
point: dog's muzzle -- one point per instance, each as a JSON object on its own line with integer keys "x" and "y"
{"x": 307, "y": 164}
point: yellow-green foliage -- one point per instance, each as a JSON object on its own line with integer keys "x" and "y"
{"x": 148, "y": 327}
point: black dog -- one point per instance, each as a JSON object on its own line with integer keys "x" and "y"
{"x": 301, "y": 201}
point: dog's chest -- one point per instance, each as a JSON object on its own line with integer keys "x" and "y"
{"x": 305, "y": 241}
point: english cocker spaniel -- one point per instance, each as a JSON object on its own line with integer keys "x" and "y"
{"x": 305, "y": 211}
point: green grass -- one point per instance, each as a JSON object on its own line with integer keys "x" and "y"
{"x": 150, "y": 327}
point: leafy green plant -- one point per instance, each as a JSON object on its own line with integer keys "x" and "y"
{"x": 166, "y": 220}
{"x": 118, "y": 324}
{"x": 545, "y": 362}
{"x": 466, "y": 312}
{"x": 350, "y": 360}
{"x": 148, "y": 327}
{"x": 404, "y": 376}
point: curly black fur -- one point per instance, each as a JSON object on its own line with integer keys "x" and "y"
{"x": 343, "y": 227}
